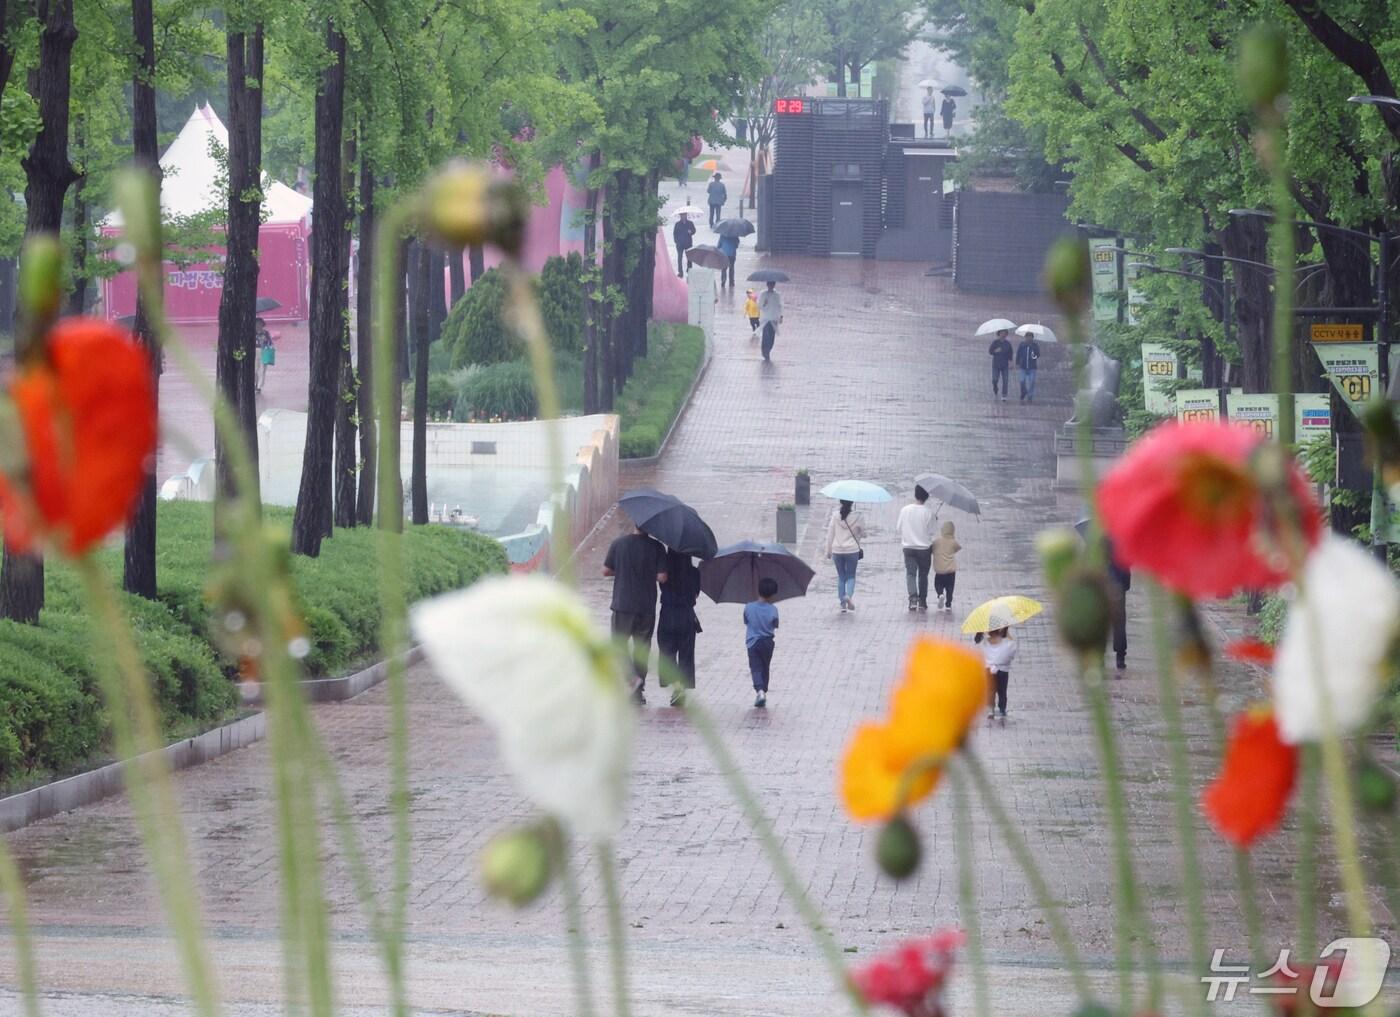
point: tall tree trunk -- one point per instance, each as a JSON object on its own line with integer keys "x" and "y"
{"x": 236, "y": 358}
{"x": 77, "y": 300}
{"x": 418, "y": 329}
{"x": 8, "y": 15}
{"x": 1254, "y": 302}
{"x": 48, "y": 175}
{"x": 607, "y": 370}
{"x": 346, "y": 414}
{"x": 647, "y": 283}
{"x": 437, "y": 296}
{"x": 476, "y": 256}
{"x": 364, "y": 343}
{"x": 458, "y": 273}
{"x": 393, "y": 426}
{"x": 841, "y": 73}
{"x": 139, "y": 553}
{"x": 591, "y": 310}
{"x": 327, "y": 306}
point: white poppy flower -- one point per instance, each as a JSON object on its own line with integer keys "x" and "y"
{"x": 524, "y": 654}
{"x": 1355, "y": 612}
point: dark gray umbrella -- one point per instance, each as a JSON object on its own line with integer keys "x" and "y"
{"x": 734, "y": 228}
{"x": 707, "y": 257}
{"x": 768, "y": 275}
{"x": 267, "y": 304}
{"x": 670, "y": 521}
{"x": 950, "y": 492}
{"x": 732, "y": 575}
{"x": 954, "y": 90}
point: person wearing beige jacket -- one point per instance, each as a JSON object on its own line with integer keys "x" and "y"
{"x": 843, "y": 535}
{"x": 945, "y": 565}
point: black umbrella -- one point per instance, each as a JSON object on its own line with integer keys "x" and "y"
{"x": 670, "y": 521}
{"x": 707, "y": 257}
{"x": 768, "y": 275}
{"x": 732, "y": 575}
{"x": 734, "y": 228}
{"x": 954, "y": 90}
{"x": 267, "y": 304}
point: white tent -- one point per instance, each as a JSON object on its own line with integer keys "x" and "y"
{"x": 190, "y": 175}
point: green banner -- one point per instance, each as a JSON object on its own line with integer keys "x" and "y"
{"x": 1105, "y": 260}
{"x": 1160, "y": 366}
{"x": 1354, "y": 369}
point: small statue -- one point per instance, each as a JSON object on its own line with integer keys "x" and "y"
{"x": 1102, "y": 377}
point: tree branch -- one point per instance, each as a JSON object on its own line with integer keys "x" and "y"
{"x": 1146, "y": 122}
{"x": 1076, "y": 92}
{"x": 1357, "y": 54}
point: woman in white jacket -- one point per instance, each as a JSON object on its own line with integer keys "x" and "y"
{"x": 843, "y": 535}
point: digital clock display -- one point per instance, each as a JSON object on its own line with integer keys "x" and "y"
{"x": 788, "y": 106}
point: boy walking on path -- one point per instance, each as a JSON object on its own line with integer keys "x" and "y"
{"x": 945, "y": 566}
{"x": 1027, "y": 360}
{"x": 760, "y": 625}
{"x": 637, "y": 564}
{"x": 1001, "y": 354}
{"x": 916, "y": 536}
{"x": 718, "y": 195}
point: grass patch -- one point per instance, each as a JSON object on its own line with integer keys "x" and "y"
{"x": 51, "y": 713}
{"x": 650, "y": 401}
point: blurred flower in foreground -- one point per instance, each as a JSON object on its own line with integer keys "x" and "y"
{"x": 84, "y": 415}
{"x": 1249, "y": 651}
{"x": 943, "y": 689}
{"x": 523, "y": 653}
{"x": 1248, "y": 797}
{"x": 1183, "y": 504}
{"x": 911, "y": 977}
{"x": 1339, "y": 632}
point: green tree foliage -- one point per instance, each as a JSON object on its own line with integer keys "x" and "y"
{"x": 860, "y": 32}
{"x": 476, "y": 331}
{"x": 561, "y": 301}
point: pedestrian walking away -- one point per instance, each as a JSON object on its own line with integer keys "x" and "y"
{"x": 751, "y": 310}
{"x": 1120, "y": 581}
{"x": 718, "y": 195}
{"x": 683, "y": 233}
{"x": 1001, "y": 354}
{"x": 760, "y": 629}
{"x": 916, "y": 538}
{"x": 945, "y": 565}
{"x": 770, "y": 316}
{"x": 637, "y": 564}
{"x": 843, "y": 534}
{"x": 998, "y": 650}
{"x": 930, "y": 105}
{"x": 1027, "y": 359}
{"x": 266, "y": 344}
{"x": 948, "y": 110}
{"x": 729, "y": 247}
{"x": 678, "y": 624}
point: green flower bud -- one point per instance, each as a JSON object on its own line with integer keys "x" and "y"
{"x": 1067, "y": 275}
{"x": 466, "y": 206}
{"x": 1085, "y": 612}
{"x": 138, "y": 197}
{"x": 898, "y": 850}
{"x": 515, "y": 866}
{"x": 1059, "y": 550}
{"x": 41, "y": 278}
{"x": 1375, "y": 787}
{"x": 510, "y": 211}
{"x": 1263, "y": 66}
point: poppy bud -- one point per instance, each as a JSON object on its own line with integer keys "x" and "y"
{"x": 1375, "y": 787}
{"x": 1068, "y": 274}
{"x": 1059, "y": 550}
{"x": 1263, "y": 67}
{"x": 515, "y": 865}
{"x": 898, "y": 850}
{"x": 41, "y": 278}
{"x": 1085, "y": 612}
{"x": 465, "y": 206}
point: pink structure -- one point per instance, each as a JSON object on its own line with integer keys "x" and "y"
{"x": 557, "y": 228}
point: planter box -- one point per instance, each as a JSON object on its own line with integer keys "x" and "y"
{"x": 787, "y": 526}
{"x": 802, "y": 490}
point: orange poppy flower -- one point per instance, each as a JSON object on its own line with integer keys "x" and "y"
{"x": 1248, "y": 798}
{"x": 1183, "y": 505}
{"x": 943, "y": 689}
{"x": 1250, "y": 651}
{"x": 87, "y": 411}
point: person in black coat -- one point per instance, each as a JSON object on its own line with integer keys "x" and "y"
{"x": 1001, "y": 354}
{"x": 1027, "y": 361}
{"x": 679, "y": 624}
{"x": 1120, "y": 580}
{"x": 683, "y": 233}
{"x": 718, "y": 195}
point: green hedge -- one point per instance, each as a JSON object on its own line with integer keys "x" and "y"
{"x": 51, "y": 713}
{"x": 660, "y": 382}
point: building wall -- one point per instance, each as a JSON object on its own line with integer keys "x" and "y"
{"x": 1000, "y": 239}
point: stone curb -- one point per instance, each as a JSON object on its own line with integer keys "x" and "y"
{"x": 19, "y": 810}
{"x": 680, "y": 413}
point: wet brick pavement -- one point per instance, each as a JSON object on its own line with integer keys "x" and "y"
{"x": 874, "y": 374}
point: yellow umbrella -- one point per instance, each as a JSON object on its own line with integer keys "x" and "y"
{"x": 710, "y": 164}
{"x": 999, "y": 613}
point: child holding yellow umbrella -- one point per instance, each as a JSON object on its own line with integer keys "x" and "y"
{"x": 990, "y": 625}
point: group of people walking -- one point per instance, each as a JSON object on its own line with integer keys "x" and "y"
{"x": 924, "y": 553}
{"x": 1026, "y": 354}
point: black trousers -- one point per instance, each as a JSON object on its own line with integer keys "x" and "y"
{"x": 943, "y": 583}
{"x": 675, "y": 640}
{"x": 770, "y": 335}
{"x": 998, "y": 691}
{"x": 715, "y": 214}
{"x": 634, "y": 631}
{"x": 1119, "y": 610}
{"x": 1001, "y": 372}
{"x": 760, "y": 660}
{"x": 727, "y": 272}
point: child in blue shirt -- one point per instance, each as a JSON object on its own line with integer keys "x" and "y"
{"x": 760, "y": 623}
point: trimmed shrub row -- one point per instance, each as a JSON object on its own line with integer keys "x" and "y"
{"x": 654, "y": 395}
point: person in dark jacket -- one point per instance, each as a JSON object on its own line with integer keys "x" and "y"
{"x": 1027, "y": 357}
{"x": 948, "y": 110}
{"x": 683, "y": 233}
{"x": 1001, "y": 354}
{"x": 718, "y": 196}
{"x": 1120, "y": 580}
{"x": 729, "y": 247}
{"x": 678, "y": 625}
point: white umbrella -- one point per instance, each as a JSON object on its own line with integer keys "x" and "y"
{"x": 928, "y": 83}
{"x": 1041, "y": 332}
{"x": 690, "y": 210}
{"x": 995, "y": 325}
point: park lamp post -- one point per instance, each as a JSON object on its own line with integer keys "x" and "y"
{"x": 1226, "y": 322}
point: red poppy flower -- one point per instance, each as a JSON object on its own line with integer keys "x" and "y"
{"x": 87, "y": 411}
{"x": 1183, "y": 505}
{"x": 1250, "y": 651}
{"x": 911, "y": 977}
{"x": 1250, "y": 794}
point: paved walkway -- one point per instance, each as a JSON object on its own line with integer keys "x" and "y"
{"x": 875, "y": 374}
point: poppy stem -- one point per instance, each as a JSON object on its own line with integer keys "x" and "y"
{"x": 967, "y": 895}
{"x": 782, "y": 867}
{"x": 573, "y": 922}
{"x": 1049, "y": 907}
{"x": 1307, "y": 848}
{"x": 13, "y": 885}
{"x": 617, "y": 945}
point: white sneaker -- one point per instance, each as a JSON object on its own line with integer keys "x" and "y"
{"x": 850, "y": 604}
{"x": 940, "y": 602}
